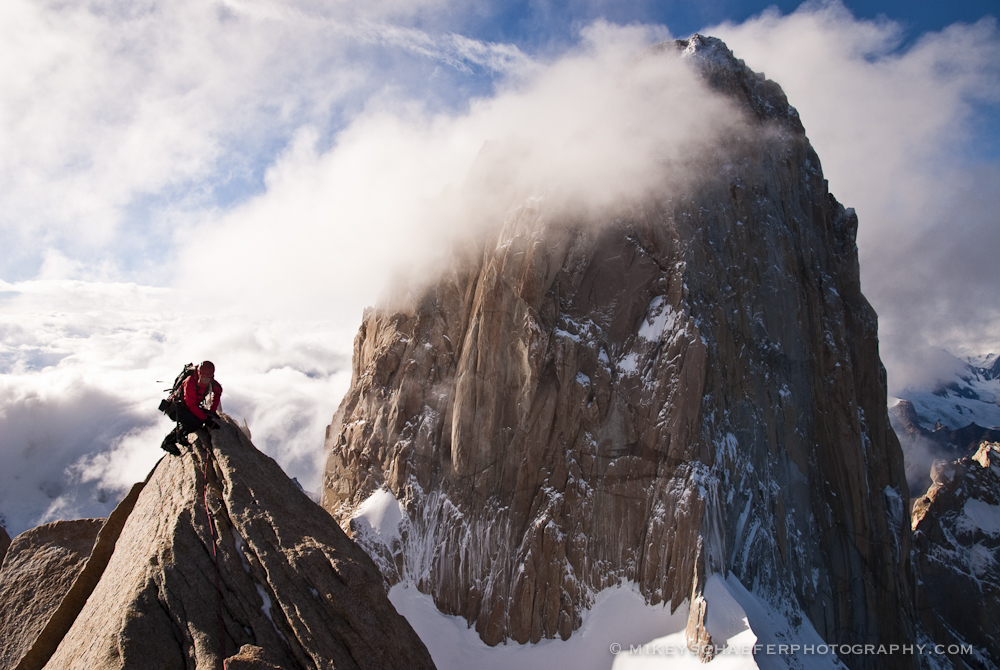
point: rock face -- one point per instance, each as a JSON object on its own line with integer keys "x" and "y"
{"x": 41, "y": 566}
{"x": 293, "y": 590}
{"x": 956, "y": 541}
{"x": 942, "y": 442}
{"x": 691, "y": 387}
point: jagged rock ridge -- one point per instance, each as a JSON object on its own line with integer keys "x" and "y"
{"x": 924, "y": 445}
{"x": 956, "y": 539}
{"x": 294, "y": 591}
{"x": 692, "y": 387}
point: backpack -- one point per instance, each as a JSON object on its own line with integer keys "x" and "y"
{"x": 168, "y": 405}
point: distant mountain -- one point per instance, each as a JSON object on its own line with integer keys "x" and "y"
{"x": 949, "y": 417}
{"x": 967, "y": 393}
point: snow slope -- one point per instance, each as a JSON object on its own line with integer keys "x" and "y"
{"x": 622, "y": 632}
{"x": 620, "y": 616}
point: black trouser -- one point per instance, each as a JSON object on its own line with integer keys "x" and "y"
{"x": 186, "y": 418}
{"x": 187, "y": 422}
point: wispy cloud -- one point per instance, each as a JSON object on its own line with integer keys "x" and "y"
{"x": 397, "y": 189}
{"x": 116, "y": 119}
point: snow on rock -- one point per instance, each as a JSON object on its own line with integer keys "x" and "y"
{"x": 980, "y": 516}
{"x": 377, "y": 526}
{"x": 659, "y": 320}
{"x": 381, "y": 513}
{"x": 956, "y": 406}
{"x": 726, "y": 621}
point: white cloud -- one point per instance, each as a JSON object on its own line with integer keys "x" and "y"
{"x": 398, "y": 186}
{"x": 892, "y": 127}
{"x": 116, "y": 119}
{"x": 120, "y": 124}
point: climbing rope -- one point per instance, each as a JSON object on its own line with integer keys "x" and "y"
{"x": 215, "y": 557}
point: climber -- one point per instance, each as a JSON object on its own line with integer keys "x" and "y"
{"x": 193, "y": 404}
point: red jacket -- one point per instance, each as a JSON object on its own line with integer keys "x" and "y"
{"x": 194, "y": 396}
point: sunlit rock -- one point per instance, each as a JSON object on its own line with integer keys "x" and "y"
{"x": 956, "y": 541}
{"x": 690, "y": 386}
{"x": 218, "y": 557}
{"x": 38, "y": 571}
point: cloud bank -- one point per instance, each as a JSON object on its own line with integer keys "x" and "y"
{"x": 120, "y": 121}
{"x": 83, "y": 366}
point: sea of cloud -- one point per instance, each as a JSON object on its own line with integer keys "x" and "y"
{"x": 83, "y": 366}
{"x": 237, "y": 181}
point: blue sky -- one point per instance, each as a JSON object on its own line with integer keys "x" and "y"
{"x": 238, "y": 179}
{"x": 534, "y": 24}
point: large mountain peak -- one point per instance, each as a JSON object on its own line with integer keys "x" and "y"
{"x": 691, "y": 386}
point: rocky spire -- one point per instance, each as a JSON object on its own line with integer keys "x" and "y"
{"x": 288, "y": 588}
{"x": 692, "y": 386}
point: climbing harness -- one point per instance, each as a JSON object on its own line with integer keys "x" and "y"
{"x": 215, "y": 556}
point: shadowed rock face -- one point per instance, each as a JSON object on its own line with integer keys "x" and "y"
{"x": 692, "y": 386}
{"x": 956, "y": 541}
{"x": 295, "y": 591}
{"x": 37, "y": 573}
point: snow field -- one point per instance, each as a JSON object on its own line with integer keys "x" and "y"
{"x": 621, "y": 631}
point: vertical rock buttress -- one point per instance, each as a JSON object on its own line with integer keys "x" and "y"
{"x": 692, "y": 387}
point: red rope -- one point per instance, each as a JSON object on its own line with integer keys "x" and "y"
{"x": 215, "y": 557}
